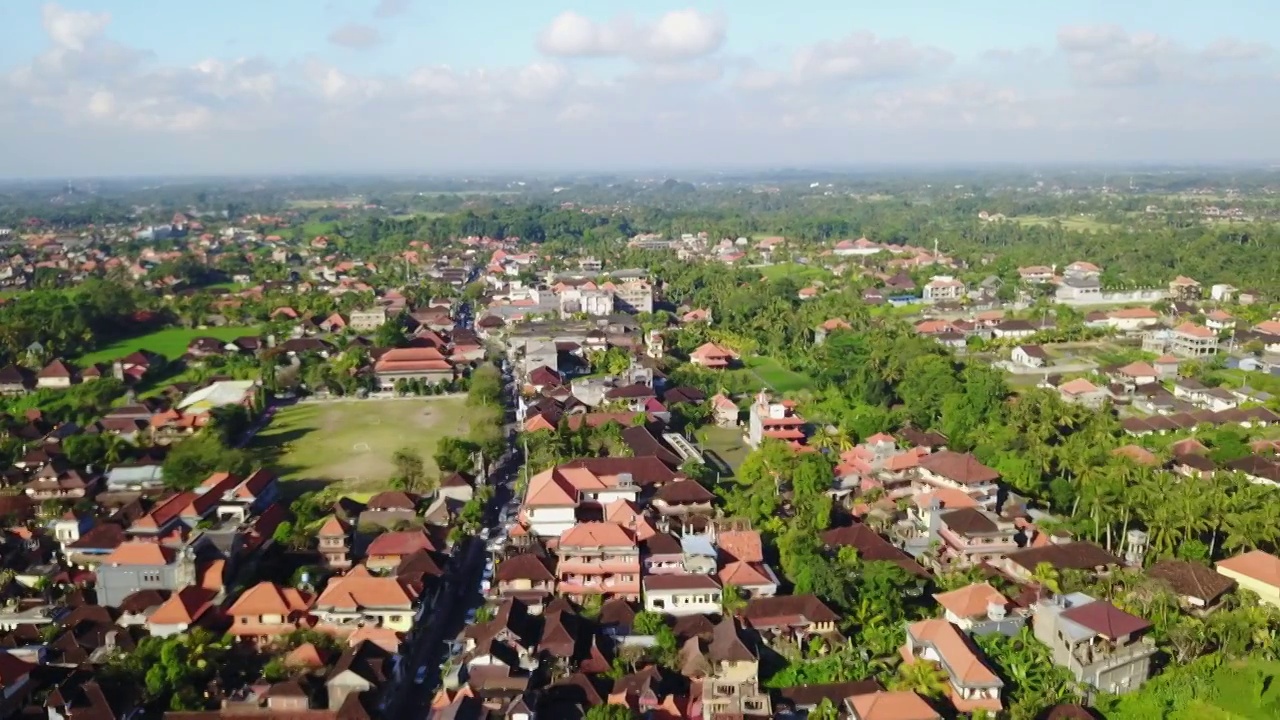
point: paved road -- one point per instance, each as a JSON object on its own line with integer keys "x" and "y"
{"x": 426, "y": 644}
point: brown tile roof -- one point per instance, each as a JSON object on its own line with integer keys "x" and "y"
{"x": 870, "y": 546}
{"x": 962, "y": 468}
{"x": 960, "y": 658}
{"x": 400, "y": 543}
{"x": 1191, "y": 579}
{"x": 786, "y": 610}
{"x": 683, "y": 492}
{"x": 353, "y": 592}
{"x": 1064, "y": 556}
{"x": 184, "y": 607}
{"x": 726, "y": 645}
{"x": 741, "y": 545}
{"x": 969, "y": 521}
{"x": 525, "y": 566}
{"x": 1106, "y": 619}
{"x": 680, "y": 581}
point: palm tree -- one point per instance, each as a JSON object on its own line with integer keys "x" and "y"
{"x": 923, "y": 677}
{"x": 1047, "y": 577}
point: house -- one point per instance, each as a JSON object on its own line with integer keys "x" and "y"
{"x": 1137, "y": 373}
{"x": 368, "y": 320}
{"x": 973, "y": 685}
{"x": 791, "y": 617}
{"x": 526, "y": 578}
{"x": 142, "y": 565}
{"x": 724, "y": 410}
{"x": 362, "y": 668}
{"x": 683, "y": 497}
{"x": 358, "y": 599}
{"x": 182, "y": 611}
{"x": 1256, "y": 571}
{"x": 1196, "y": 585}
{"x": 1082, "y": 392}
{"x": 333, "y": 542}
{"x": 889, "y": 705}
{"x": 1098, "y": 643}
{"x": 963, "y": 472}
{"x": 1132, "y": 319}
{"x": 55, "y": 375}
{"x": 1184, "y": 289}
{"x": 15, "y": 380}
{"x": 598, "y": 558}
{"x": 1191, "y": 340}
{"x": 943, "y": 288}
{"x": 979, "y": 609}
{"x": 1013, "y": 329}
{"x": 775, "y": 420}
{"x": 267, "y": 611}
{"x": 1083, "y": 556}
{"x": 713, "y": 356}
{"x": 1166, "y": 367}
{"x": 730, "y": 686}
{"x": 389, "y": 549}
{"x": 415, "y": 363}
{"x": 682, "y": 594}
{"x": 1036, "y": 274}
{"x": 972, "y": 536}
{"x": 1219, "y": 320}
{"x": 1032, "y": 356}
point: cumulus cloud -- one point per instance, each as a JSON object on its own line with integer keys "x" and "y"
{"x": 72, "y": 29}
{"x": 675, "y": 36}
{"x": 355, "y": 36}
{"x": 1232, "y": 49}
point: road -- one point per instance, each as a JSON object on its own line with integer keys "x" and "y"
{"x": 426, "y": 644}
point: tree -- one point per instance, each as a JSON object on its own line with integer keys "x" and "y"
{"x": 826, "y": 710}
{"x": 455, "y": 454}
{"x": 922, "y": 677}
{"x": 609, "y": 711}
{"x": 648, "y": 622}
{"x": 486, "y": 386}
{"x": 1046, "y": 576}
{"x": 193, "y": 460}
{"x": 411, "y": 471}
{"x": 390, "y": 334}
{"x": 732, "y": 599}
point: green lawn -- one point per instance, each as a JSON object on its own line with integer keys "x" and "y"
{"x": 777, "y": 377}
{"x": 351, "y": 442}
{"x": 795, "y": 271}
{"x": 727, "y": 443}
{"x": 1075, "y": 222}
{"x": 170, "y": 342}
{"x": 1243, "y": 690}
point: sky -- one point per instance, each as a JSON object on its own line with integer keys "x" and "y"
{"x": 138, "y": 87}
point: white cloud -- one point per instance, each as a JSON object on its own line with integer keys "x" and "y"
{"x": 72, "y": 29}
{"x": 391, "y": 8}
{"x": 863, "y": 56}
{"x": 675, "y": 36}
{"x": 355, "y": 36}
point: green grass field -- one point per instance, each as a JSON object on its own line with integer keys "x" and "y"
{"x": 1076, "y": 223}
{"x": 170, "y": 342}
{"x": 777, "y": 377}
{"x": 795, "y": 271}
{"x": 727, "y": 443}
{"x": 351, "y": 442}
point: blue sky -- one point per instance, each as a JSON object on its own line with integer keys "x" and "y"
{"x": 120, "y": 86}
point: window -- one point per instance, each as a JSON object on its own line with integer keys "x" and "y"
{"x": 393, "y": 618}
{"x": 150, "y": 577}
{"x": 659, "y": 604}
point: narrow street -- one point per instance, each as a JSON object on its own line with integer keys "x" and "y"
{"x": 437, "y": 625}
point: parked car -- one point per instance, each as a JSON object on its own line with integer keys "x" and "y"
{"x": 484, "y": 533}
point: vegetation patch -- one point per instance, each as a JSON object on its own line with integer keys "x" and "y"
{"x": 780, "y": 379}
{"x": 354, "y": 442}
{"x": 170, "y": 342}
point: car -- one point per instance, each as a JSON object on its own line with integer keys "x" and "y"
{"x": 484, "y": 533}
{"x": 421, "y": 676}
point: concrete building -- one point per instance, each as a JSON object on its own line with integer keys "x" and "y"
{"x": 1097, "y": 642}
{"x": 635, "y": 296}
{"x": 368, "y": 320}
{"x": 142, "y": 565}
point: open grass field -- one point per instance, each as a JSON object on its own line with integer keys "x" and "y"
{"x": 1076, "y": 223}
{"x": 351, "y": 442}
{"x": 170, "y": 342}
{"x": 795, "y": 271}
{"x": 777, "y": 377}
{"x": 726, "y": 443}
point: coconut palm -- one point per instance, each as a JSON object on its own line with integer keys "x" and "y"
{"x": 922, "y": 677}
{"x": 1047, "y": 577}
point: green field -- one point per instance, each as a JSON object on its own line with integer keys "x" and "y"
{"x": 778, "y": 378}
{"x": 170, "y": 342}
{"x": 351, "y": 442}
{"x": 1077, "y": 223}
{"x": 1243, "y": 690}
{"x": 727, "y": 443}
{"x": 795, "y": 271}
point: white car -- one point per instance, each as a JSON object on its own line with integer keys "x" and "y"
{"x": 484, "y": 533}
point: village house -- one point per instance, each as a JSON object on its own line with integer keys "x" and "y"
{"x": 425, "y": 364}
{"x": 525, "y": 577}
{"x": 1256, "y": 571}
{"x": 960, "y": 471}
{"x": 1097, "y": 642}
{"x": 368, "y": 320}
{"x": 971, "y": 536}
{"x": 979, "y": 609}
{"x": 598, "y": 558}
{"x": 1032, "y": 356}
{"x": 1191, "y": 340}
{"x": 1197, "y": 586}
{"x": 1036, "y": 274}
{"x": 553, "y": 496}
{"x": 713, "y": 356}
{"x": 889, "y": 705}
{"x": 776, "y": 420}
{"x": 724, "y": 411}
{"x": 333, "y": 542}
{"x": 267, "y": 611}
{"x": 1082, "y": 392}
{"x": 973, "y": 685}
{"x": 358, "y": 599}
{"x": 682, "y": 594}
{"x": 943, "y": 288}
{"x": 1184, "y": 289}
{"x": 1132, "y": 319}
{"x": 56, "y": 375}
{"x": 141, "y": 565}
{"x": 730, "y": 684}
{"x": 793, "y": 618}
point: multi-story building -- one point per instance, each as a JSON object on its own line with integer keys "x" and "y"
{"x": 334, "y": 543}
{"x": 266, "y": 611}
{"x": 731, "y": 688}
{"x": 359, "y": 600}
{"x": 368, "y": 320}
{"x": 634, "y": 296}
{"x": 552, "y": 499}
{"x": 973, "y": 686}
{"x": 142, "y": 565}
{"x": 598, "y": 558}
{"x": 1192, "y": 340}
{"x": 1097, "y": 642}
{"x": 776, "y": 420}
{"x": 963, "y": 472}
{"x": 944, "y": 288}
{"x": 597, "y": 303}
{"x": 971, "y": 536}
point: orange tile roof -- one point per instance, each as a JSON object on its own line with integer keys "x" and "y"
{"x": 1261, "y": 566}
{"x": 305, "y": 655}
{"x": 1194, "y": 330}
{"x": 950, "y": 643}
{"x": 743, "y": 574}
{"x": 183, "y": 607}
{"x": 597, "y": 534}
{"x": 267, "y": 598}
{"x": 742, "y": 545}
{"x": 349, "y": 592}
{"x": 971, "y": 600}
{"x": 892, "y": 705}
{"x": 140, "y": 553}
{"x": 1079, "y": 386}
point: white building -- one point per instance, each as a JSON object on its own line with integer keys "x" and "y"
{"x": 944, "y": 288}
